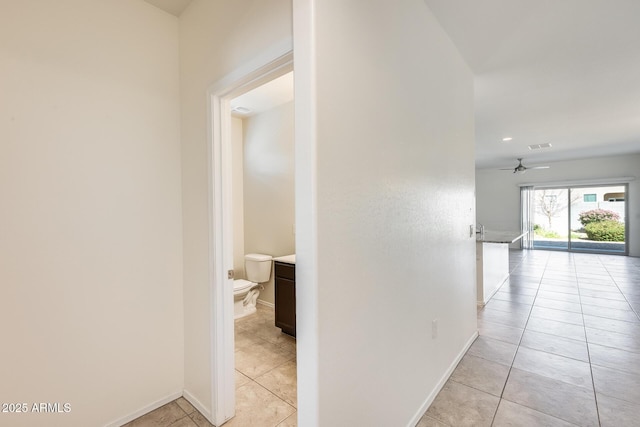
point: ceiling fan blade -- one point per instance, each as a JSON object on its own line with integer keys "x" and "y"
{"x": 522, "y": 168}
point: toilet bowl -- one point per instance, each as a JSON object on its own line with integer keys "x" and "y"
{"x": 246, "y": 292}
{"x": 243, "y": 303}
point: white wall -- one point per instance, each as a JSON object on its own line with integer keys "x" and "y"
{"x": 498, "y": 193}
{"x": 384, "y": 108}
{"x": 216, "y": 38}
{"x": 90, "y": 225}
{"x": 237, "y": 170}
{"x": 269, "y": 203}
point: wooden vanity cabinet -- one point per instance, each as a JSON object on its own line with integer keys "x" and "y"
{"x": 285, "y": 292}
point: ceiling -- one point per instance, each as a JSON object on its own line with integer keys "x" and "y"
{"x": 566, "y": 73}
{"x": 276, "y": 92}
{"x": 174, "y": 7}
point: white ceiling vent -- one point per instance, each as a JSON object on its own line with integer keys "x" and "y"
{"x": 240, "y": 110}
{"x": 539, "y": 146}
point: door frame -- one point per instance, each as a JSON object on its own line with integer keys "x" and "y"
{"x": 272, "y": 63}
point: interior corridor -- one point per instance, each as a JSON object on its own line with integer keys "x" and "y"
{"x": 559, "y": 345}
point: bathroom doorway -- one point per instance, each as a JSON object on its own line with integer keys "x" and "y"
{"x": 222, "y": 238}
{"x": 262, "y": 138}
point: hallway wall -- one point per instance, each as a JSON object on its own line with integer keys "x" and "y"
{"x": 384, "y": 108}
{"x": 90, "y": 224}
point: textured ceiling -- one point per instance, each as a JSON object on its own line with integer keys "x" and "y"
{"x": 547, "y": 71}
{"x": 554, "y": 72}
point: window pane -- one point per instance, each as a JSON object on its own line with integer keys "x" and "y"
{"x": 598, "y": 219}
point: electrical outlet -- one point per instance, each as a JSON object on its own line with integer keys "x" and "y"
{"x": 434, "y": 328}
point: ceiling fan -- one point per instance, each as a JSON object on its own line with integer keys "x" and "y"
{"x": 522, "y": 168}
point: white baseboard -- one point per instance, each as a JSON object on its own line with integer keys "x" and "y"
{"x": 442, "y": 382}
{"x": 266, "y": 304}
{"x": 145, "y": 410}
{"x": 196, "y": 404}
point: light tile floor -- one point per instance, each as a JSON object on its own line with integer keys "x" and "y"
{"x": 559, "y": 345}
{"x": 265, "y": 381}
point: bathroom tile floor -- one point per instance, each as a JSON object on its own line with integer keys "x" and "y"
{"x": 559, "y": 345}
{"x": 265, "y": 381}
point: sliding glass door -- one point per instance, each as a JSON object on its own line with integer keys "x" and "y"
{"x": 551, "y": 206}
{"x": 580, "y": 218}
{"x": 598, "y": 219}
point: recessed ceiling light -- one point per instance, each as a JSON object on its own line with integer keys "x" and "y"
{"x": 507, "y": 139}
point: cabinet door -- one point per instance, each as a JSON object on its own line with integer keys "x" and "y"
{"x": 286, "y": 305}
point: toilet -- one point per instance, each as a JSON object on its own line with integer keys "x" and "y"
{"x": 245, "y": 292}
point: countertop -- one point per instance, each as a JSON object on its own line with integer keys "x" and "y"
{"x": 491, "y": 236}
{"x": 289, "y": 259}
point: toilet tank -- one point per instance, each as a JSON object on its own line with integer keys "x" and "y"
{"x": 258, "y": 267}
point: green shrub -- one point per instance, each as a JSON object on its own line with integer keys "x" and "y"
{"x": 605, "y": 231}
{"x": 597, "y": 215}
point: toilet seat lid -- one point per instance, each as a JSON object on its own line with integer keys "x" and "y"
{"x": 241, "y": 285}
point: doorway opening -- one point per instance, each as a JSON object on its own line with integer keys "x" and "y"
{"x": 262, "y": 138}
{"x": 272, "y": 65}
{"x": 589, "y": 219}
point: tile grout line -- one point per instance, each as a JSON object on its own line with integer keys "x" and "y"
{"x": 519, "y": 341}
{"x": 623, "y": 294}
{"x": 546, "y": 265}
{"x": 295, "y": 409}
{"x": 280, "y": 346}
{"x": 284, "y": 401}
{"x": 586, "y": 337}
{"x": 518, "y": 348}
